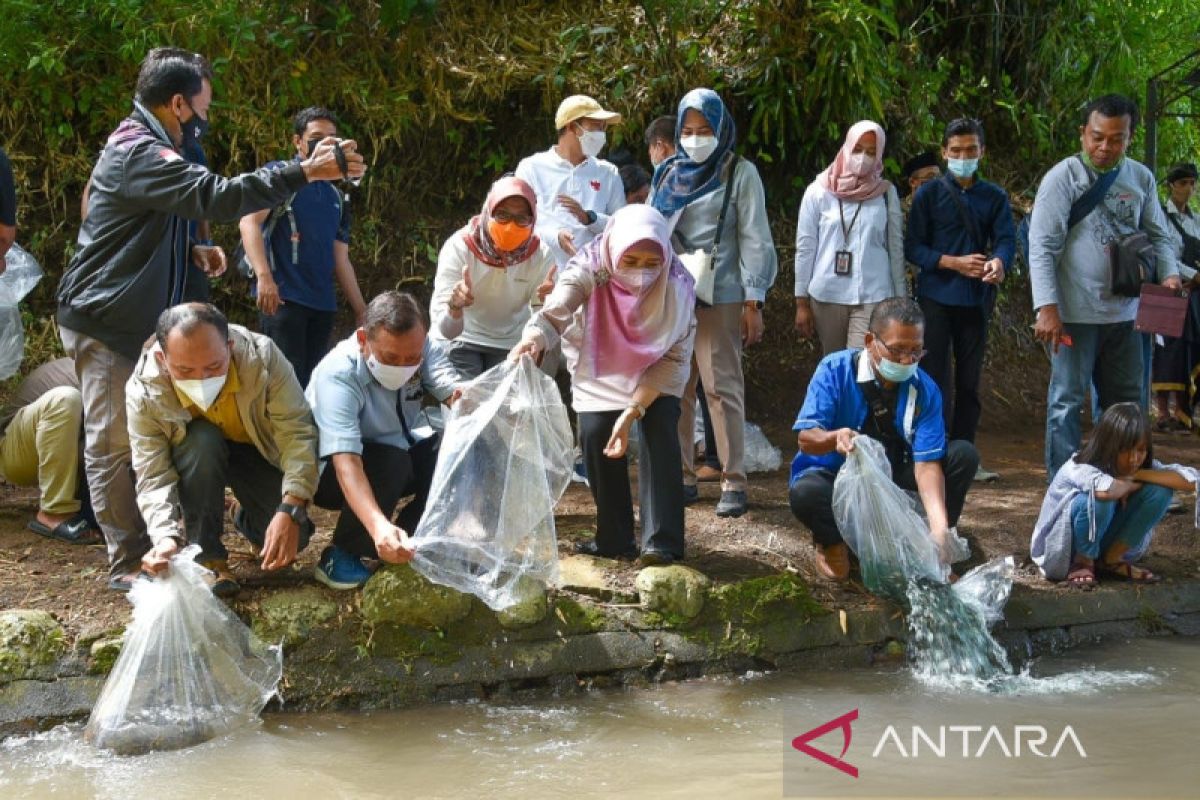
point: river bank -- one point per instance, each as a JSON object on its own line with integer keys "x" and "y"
{"x": 747, "y": 600}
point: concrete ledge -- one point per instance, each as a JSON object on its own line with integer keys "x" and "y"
{"x": 346, "y": 662}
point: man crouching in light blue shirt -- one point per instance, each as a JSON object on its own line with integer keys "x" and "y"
{"x": 1084, "y": 205}
{"x": 374, "y": 448}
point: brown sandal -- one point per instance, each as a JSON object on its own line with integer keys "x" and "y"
{"x": 1129, "y": 572}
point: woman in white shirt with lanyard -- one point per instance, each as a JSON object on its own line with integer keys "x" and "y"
{"x": 849, "y": 243}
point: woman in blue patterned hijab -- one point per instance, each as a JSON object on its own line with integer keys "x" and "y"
{"x": 695, "y": 169}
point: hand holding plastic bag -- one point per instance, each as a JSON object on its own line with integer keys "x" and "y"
{"x": 881, "y": 524}
{"x": 21, "y": 274}
{"x": 505, "y": 460}
{"x": 189, "y": 669}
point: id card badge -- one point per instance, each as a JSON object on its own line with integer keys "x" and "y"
{"x": 842, "y": 261}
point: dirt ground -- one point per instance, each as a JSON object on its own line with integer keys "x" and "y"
{"x": 70, "y": 580}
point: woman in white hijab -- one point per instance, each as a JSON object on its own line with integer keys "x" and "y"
{"x": 624, "y": 309}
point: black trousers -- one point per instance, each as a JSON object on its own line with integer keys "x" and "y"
{"x": 710, "y": 438}
{"x": 961, "y": 332}
{"x": 207, "y": 462}
{"x": 660, "y": 480}
{"x": 811, "y": 495}
{"x": 393, "y": 473}
{"x": 302, "y": 333}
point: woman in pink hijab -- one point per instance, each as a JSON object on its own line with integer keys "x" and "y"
{"x": 849, "y": 243}
{"x": 623, "y": 308}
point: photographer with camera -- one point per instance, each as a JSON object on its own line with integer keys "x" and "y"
{"x": 131, "y": 262}
{"x": 308, "y": 248}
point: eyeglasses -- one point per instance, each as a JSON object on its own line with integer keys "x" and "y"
{"x": 504, "y": 217}
{"x": 910, "y": 356}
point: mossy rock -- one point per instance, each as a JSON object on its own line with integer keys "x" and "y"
{"x": 758, "y": 601}
{"x": 672, "y": 591}
{"x": 531, "y": 606}
{"x": 573, "y": 618}
{"x": 398, "y": 594}
{"x": 291, "y": 615}
{"x": 103, "y": 654}
{"x": 28, "y": 640}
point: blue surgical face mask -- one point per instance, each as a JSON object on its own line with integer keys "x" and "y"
{"x": 893, "y": 372}
{"x": 962, "y": 167}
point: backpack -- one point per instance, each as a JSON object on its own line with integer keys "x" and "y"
{"x": 242, "y": 263}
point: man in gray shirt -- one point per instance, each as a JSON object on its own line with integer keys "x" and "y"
{"x": 1088, "y": 329}
{"x": 366, "y": 396}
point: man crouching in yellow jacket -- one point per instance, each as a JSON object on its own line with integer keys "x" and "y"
{"x": 213, "y": 405}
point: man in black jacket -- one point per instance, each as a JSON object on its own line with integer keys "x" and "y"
{"x": 131, "y": 261}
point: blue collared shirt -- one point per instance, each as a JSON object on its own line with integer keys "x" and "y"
{"x": 351, "y": 407}
{"x": 935, "y": 228}
{"x": 834, "y": 400}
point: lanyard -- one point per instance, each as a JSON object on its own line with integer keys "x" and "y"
{"x": 846, "y": 231}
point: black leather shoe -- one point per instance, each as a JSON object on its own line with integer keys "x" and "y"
{"x": 592, "y": 549}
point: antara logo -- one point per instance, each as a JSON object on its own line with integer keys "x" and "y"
{"x": 976, "y": 742}
{"x": 801, "y": 742}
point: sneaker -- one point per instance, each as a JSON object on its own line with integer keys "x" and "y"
{"x": 579, "y": 475}
{"x": 706, "y": 474}
{"x": 340, "y": 570}
{"x": 221, "y": 581}
{"x": 985, "y": 476}
{"x": 691, "y": 494}
{"x": 732, "y": 504}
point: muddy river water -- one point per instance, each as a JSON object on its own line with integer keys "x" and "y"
{"x": 1120, "y": 720}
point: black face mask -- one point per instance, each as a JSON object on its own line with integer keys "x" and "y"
{"x": 193, "y": 130}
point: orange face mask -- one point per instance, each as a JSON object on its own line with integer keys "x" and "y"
{"x": 508, "y": 236}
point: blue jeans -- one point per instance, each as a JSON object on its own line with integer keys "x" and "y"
{"x": 1128, "y": 523}
{"x": 1108, "y": 356}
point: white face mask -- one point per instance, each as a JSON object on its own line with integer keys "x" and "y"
{"x": 860, "y": 164}
{"x": 389, "y": 377}
{"x": 698, "y": 148}
{"x": 592, "y": 142}
{"x": 202, "y": 392}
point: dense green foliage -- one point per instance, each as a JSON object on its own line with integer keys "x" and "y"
{"x": 445, "y": 96}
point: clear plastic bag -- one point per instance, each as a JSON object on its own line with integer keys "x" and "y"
{"x": 760, "y": 454}
{"x": 881, "y": 524}
{"x": 505, "y": 460}
{"x": 189, "y": 670}
{"x": 948, "y": 625}
{"x": 20, "y": 275}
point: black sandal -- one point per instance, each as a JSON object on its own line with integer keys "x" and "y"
{"x": 73, "y": 531}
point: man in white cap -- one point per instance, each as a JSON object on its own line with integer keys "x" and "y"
{"x": 576, "y": 191}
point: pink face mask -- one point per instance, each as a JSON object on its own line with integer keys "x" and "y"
{"x": 860, "y": 164}
{"x": 636, "y": 280}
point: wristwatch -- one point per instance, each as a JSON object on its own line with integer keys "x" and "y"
{"x": 758, "y": 304}
{"x": 637, "y": 408}
{"x": 591, "y": 217}
{"x": 298, "y": 513}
